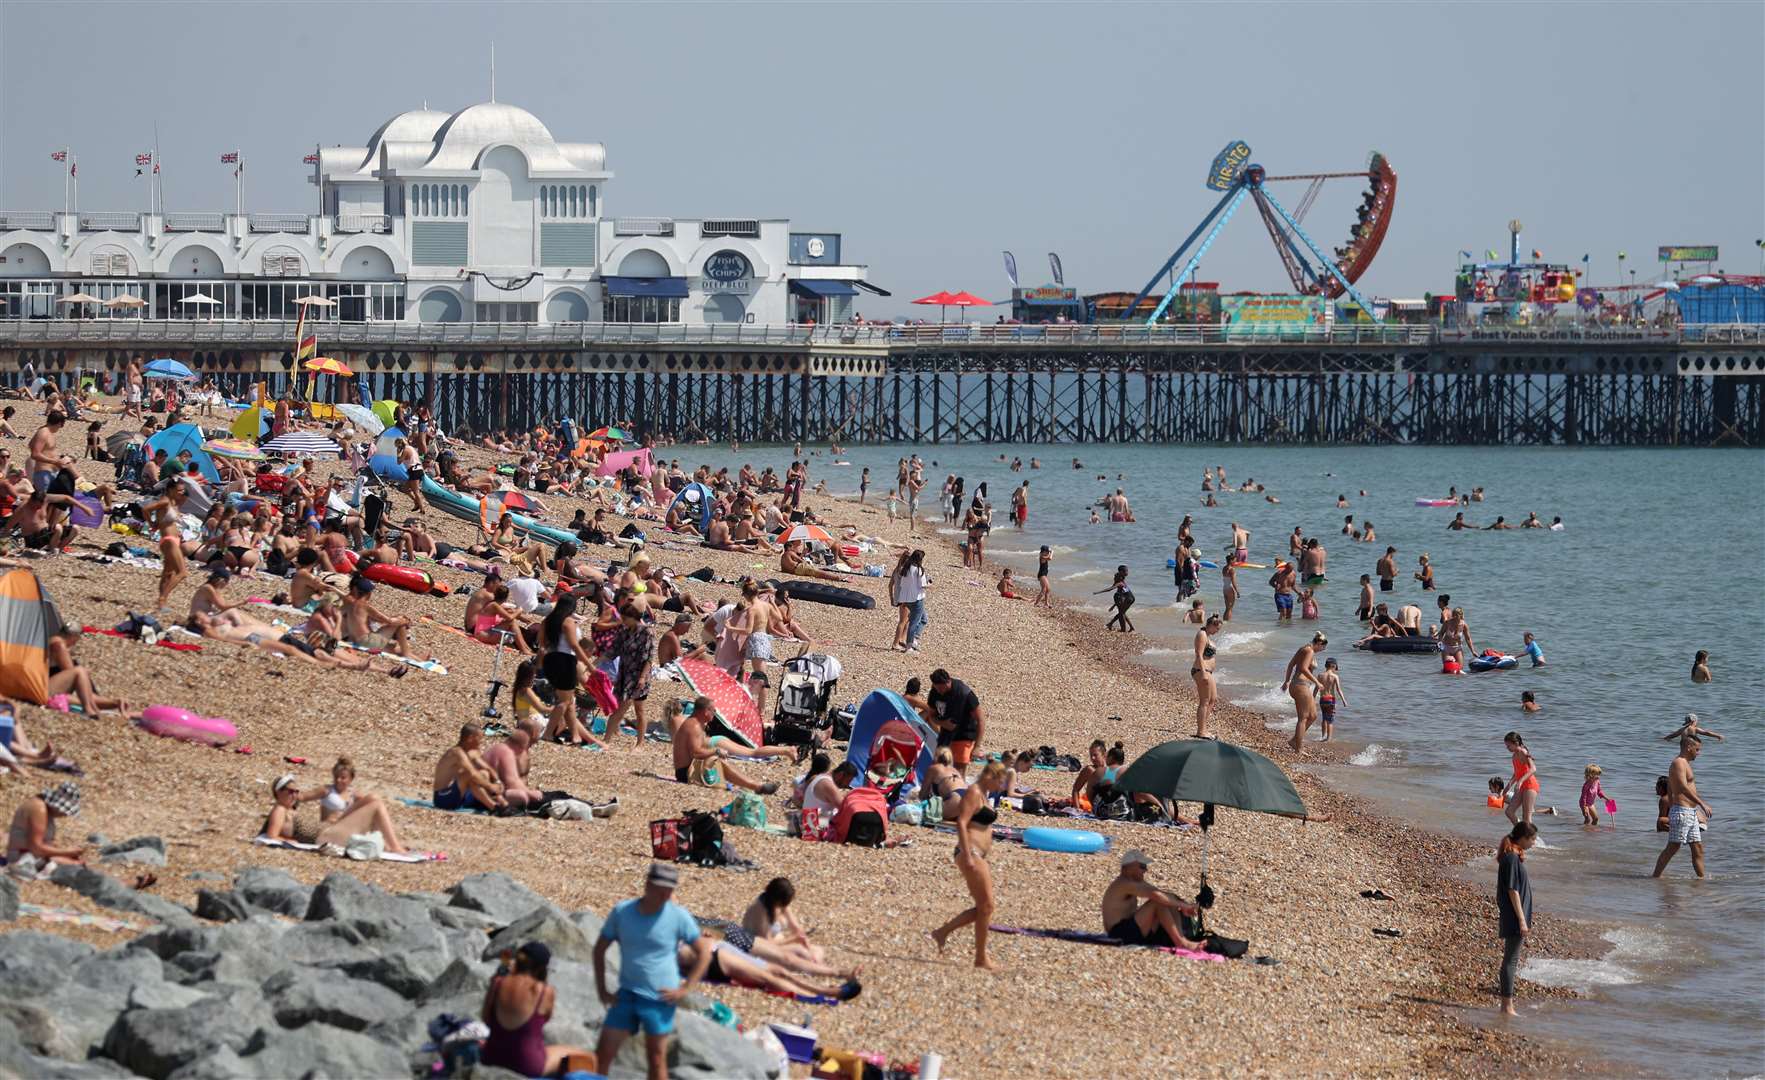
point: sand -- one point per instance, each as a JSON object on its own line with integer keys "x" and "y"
{"x": 1340, "y": 1000}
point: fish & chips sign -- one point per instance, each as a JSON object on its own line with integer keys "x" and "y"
{"x": 726, "y": 272}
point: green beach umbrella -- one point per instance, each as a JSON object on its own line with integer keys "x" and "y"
{"x": 1216, "y": 774}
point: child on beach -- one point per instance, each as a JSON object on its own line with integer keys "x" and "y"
{"x": 1532, "y": 650}
{"x": 1494, "y": 799}
{"x": 1329, "y": 693}
{"x": 863, "y": 484}
{"x": 1042, "y": 559}
{"x": 1196, "y": 614}
{"x": 1664, "y": 803}
{"x": 1590, "y": 792}
{"x": 1007, "y": 586}
{"x": 1308, "y": 605}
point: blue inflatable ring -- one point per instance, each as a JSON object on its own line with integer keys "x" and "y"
{"x": 1079, "y": 840}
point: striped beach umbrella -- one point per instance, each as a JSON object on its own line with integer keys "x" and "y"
{"x": 808, "y": 534}
{"x": 612, "y": 434}
{"x": 326, "y": 365}
{"x": 237, "y": 449}
{"x": 301, "y": 444}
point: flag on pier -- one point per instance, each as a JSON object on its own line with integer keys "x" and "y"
{"x": 1011, "y": 268}
{"x": 58, "y": 155}
{"x": 141, "y": 163}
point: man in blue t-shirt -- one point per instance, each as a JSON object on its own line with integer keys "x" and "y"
{"x": 649, "y": 931}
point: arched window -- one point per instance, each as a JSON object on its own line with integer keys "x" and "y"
{"x": 547, "y": 204}
{"x": 572, "y": 201}
{"x": 465, "y": 197}
{"x": 454, "y": 203}
{"x": 591, "y": 200}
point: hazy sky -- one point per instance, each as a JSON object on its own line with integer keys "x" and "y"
{"x": 936, "y": 135}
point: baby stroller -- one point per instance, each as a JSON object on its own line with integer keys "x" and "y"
{"x": 804, "y": 691}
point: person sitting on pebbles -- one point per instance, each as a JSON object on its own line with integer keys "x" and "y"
{"x": 30, "y": 843}
{"x": 370, "y": 628}
{"x": 463, "y": 780}
{"x": 699, "y": 758}
{"x": 365, "y": 814}
{"x": 1138, "y": 913}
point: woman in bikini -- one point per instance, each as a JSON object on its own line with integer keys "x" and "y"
{"x": 1089, "y": 776}
{"x": 1521, "y": 795}
{"x": 1122, "y": 600}
{"x": 771, "y": 932}
{"x": 366, "y": 814}
{"x": 942, "y": 780}
{"x": 1229, "y": 586}
{"x": 974, "y": 841}
{"x": 164, "y": 515}
{"x": 1201, "y": 670}
{"x": 1300, "y": 683}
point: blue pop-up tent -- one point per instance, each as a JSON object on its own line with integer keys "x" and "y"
{"x": 887, "y": 726}
{"x": 696, "y": 495}
{"x": 181, "y": 437}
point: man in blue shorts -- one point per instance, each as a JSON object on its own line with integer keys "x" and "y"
{"x": 649, "y": 930}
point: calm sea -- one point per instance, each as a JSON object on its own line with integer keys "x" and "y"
{"x": 1659, "y": 558}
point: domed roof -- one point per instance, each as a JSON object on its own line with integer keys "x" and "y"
{"x": 414, "y": 125}
{"x": 493, "y": 122}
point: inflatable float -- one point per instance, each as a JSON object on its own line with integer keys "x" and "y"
{"x": 408, "y": 578}
{"x": 1083, "y": 841}
{"x": 1421, "y": 645}
{"x": 170, "y": 722}
{"x": 1437, "y": 502}
{"x": 820, "y": 592}
{"x": 468, "y": 508}
{"x": 1493, "y": 661}
{"x": 1206, "y": 564}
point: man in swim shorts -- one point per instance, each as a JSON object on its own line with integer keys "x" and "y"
{"x": 1240, "y": 543}
{"x": 1138, "y": 913}
{"x": 1683, "y": 805}
{"x": 1387, "y": 570}
{"x": 463, "y": 781}
{"x": 699, "y": 757}
{"x": 648, "y": 931}
{"x": 1285, "y": 581}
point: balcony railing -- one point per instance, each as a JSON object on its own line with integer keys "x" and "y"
{"x": 643, "y": 227}
{"x": 26, "y": 219}
{"x": 195, "y": 222}
{"x": 277, "y": 223}
{"x": 125, "y": 221}
{"x": 364, "y": 223}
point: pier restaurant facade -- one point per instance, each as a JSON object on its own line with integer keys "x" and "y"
{"x": 478, "y": 216}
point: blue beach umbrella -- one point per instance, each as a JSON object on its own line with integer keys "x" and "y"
{"x": 167, "y": 368}
{"x": 181, "y": 437}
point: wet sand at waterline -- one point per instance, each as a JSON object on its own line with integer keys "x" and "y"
{"x": 1340, "y": 1001}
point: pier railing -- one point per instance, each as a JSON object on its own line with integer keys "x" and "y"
{"x": 126, "y": 331}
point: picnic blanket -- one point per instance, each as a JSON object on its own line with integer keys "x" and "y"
{"x": 76, "y": 918}
{"x": 432, "y": 666}
{"x": 1087, "y": 937}
{"x": 385, "y": 856}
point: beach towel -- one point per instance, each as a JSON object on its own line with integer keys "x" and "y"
{"x": 807, "y": 999}
{"x": 429, "y": 804}
{"x": 1087, "y": 937}
{"x": 76, "y": 918}
{"x": 385, "y": 856}
{"x": 178, "y": 646}
{"x": 432, "y": 666}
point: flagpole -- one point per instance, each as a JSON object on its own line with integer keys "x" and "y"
{"x": 239, "y": 184}
{"x": 155, "y": 182}
{"x": 67, "y": 199}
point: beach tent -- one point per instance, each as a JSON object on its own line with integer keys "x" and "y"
{"x": 180, "y": 437}
{"x": 386, "y": 467}
{"x": 699, "y": 495}
{"x": 387, "y": 443}
{"x": 620, "y": 460}
{"x": 386, "y": 409}
{"x": 252, "y": 424}
{"x": 28, "y": 618}
{"x": 889, "y": 727}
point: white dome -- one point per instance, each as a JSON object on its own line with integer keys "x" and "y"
{"x": 415, "y": 125}
{"x": 493, "y": 122}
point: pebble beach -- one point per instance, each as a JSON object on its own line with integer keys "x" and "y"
{"x": 1338, "y": 1000}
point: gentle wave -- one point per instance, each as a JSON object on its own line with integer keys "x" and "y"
{"x": 1374, "y": 754}
{"x": 1161, "y": 652}
{"x": 1269, "y": 700}
{"x": 1077, "y": 574}
{"x": 1631, "y": 945}
{"x": 1241, "y": 639}
{"x": 1053, "y": 549}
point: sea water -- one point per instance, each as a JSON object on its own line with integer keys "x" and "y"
{"x": 1659, "y": 557}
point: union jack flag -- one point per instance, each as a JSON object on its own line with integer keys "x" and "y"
{"x": 310, "y": 159}
{"x": 143, "y": 159}
{"x": 231, "y": 157}
{"x": 59, "y": 155}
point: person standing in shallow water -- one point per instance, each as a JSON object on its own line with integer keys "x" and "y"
{"x": 1684, "y": 826}
{"x": 1513, "y": 900}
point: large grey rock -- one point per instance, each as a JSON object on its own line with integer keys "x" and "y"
{"x": 497, "y": 895}
{"x": 8, "y": 898}
{"x": 163, "y": 995}
{"x": 704, "y": 1048}
{"x": 117, "y": 970}
{"x": 460, "y": 977}
{"x": 17, "y": 1061}
{"x": 272, "y": 890}
{"x": 224, "y": 905}
{"x": 106, "y": 891}
{"x": 166, "y": 942}
{"x": 405, "y": 962}
{"x": 308, "y": 1053}
{"x": 589, "y": 923}
{"x": 346, "y": 897}
{"x": 157, "y": 1042}
{"x": 147, "y": 850}
{"x": 454, "y": 918}
{"x": 565, "y": 938}
{"x": 243, "y": 953}
{"x": 33, "y": 963}
{"x": 576, "y": 999}
{"x": 301, "y": 996}
{"x": 37, "y": 1026}
{"x": 408, "y": 1033}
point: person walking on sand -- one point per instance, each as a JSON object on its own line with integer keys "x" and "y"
{"x": 1513, "y": 900}
{"x": 1044, "y": 591}
{"x": 1201, "y": 670}
{"x": 974, "y": 841}
{"x": 649, "y": 931}
{"x": 1300, "y": 684}
{"x": 907, "y": 586}
{"x": 1684, "y": 826}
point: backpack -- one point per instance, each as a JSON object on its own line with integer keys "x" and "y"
{"x": 748, "y": 811}
{"x": 701, "y": 837}
{"x": 128, "y": 467}
{"x": 842, "y": 723}
{"x": 1111, "y": 805}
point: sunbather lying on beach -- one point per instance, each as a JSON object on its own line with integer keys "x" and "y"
{"x": 366, "y": 814}
{"x": 772, "y": 932}
{"x": 729, "y": 963}
{"x": 793, "y": 562}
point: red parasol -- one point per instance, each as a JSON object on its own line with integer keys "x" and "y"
{"x": 968, "y": 299}
{"x": 513, "y": 500}
{"x": 737, "y": 715}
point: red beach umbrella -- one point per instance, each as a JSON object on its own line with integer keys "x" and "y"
{"x": 513, "y": 500}
{"x": 736, "y": 711}
{"x": 968, "y": 299}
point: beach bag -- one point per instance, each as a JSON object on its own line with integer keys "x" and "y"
{"x": 365, "y": 847}
{"x": 1230, "y": 948}
{"x": 812, "y": 826}
{"x": 866, "y": 829}
{"x": 747, "y": 811}
{"x": 1032, "y": 804}
{"x": 934, "y": 808}
{"x": 842, "y": 723}
{"x": 908, "y": 814}
{"x": 665, "y": 840}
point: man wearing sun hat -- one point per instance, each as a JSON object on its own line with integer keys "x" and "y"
{"x": 31, "y": 841}
{"x": 1137, "y": 913}
{"x": 649, "y": 930}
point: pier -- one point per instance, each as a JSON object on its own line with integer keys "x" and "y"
{"x": 1358, "y": 384}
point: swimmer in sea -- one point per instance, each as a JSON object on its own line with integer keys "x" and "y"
{"x": 1700, "y": 667}
{"x": 1690, "y": 728}
{"x": 1095, "y": 520}
{"x": 1529, "y": 702}
{"x": 1500, "y": 523}
{"x": 1556, "y": 524}
{"x": 1229, "y": 586}
{"x": 1365, "y": 610}
{"x": 1386, "y": 568}
{"x": 1458, "y": 522}
{"x": 1532, "y": 649}
{"x": 1532, "y": 522}
{"x": 1426, "y": 574}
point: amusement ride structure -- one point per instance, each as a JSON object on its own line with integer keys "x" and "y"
{"x": 1237, "y": 178}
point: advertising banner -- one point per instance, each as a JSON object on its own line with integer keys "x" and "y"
{"x": 1703, "y": 253}
{"x": 1228, "y": 165}
{"x": 1273, "y": 315}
